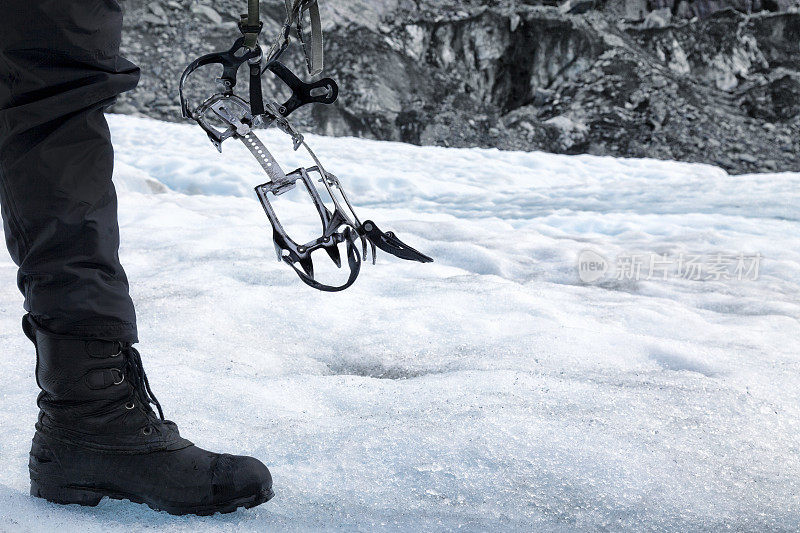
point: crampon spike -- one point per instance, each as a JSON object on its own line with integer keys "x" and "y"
{"x": 307, "y": 265}
{"x": 333, "y": 253}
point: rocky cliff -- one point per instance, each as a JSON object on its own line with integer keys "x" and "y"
{"x": 712, "y": 81}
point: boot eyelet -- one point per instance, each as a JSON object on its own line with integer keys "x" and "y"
{"x": 119, "y": 352}
{"x": 121, "y": 377}
{"x": 130, "y": 405}
{"x": 147, "y": 431}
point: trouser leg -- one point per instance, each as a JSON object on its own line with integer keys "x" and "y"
{"x": 59, "y": 70}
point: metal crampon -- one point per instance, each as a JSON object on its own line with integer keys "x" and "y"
{"x": 225, "y": 115}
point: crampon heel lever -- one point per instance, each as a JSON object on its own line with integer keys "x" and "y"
{"x": 389, "y": 243}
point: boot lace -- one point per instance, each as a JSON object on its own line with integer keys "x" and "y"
{"x": 141, "y": 386}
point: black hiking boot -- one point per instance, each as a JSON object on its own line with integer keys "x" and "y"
{"x": 97, "y": 435}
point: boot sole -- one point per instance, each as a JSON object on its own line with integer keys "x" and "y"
{"x": 90, "y": 497}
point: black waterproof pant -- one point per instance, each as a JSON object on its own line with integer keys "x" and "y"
{"x": 59, "y": 70}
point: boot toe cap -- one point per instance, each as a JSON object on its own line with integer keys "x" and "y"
{"x": 238, "y": 476}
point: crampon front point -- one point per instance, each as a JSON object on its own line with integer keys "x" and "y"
{"x": 225, "y": 115}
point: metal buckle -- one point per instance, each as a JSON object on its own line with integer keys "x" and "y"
{"x": 231, "y": 110}
{"x": 119, "y": 352}
{"x": 121, "y": 376}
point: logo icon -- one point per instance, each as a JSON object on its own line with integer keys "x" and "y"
{"x": 591, "y": 266}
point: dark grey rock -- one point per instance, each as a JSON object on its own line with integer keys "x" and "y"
{"x": 696, "y": 81}
{"x": 208, "y": 12}
{"x": 577, "y": 7}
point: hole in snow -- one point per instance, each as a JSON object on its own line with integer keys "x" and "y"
{"x": 372, "y": 369}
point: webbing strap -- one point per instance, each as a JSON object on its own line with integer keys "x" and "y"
{"x": 316, "y": 59}
{"x": 314, "y": 49}
{"x": 256, "y": 95}
{"x": 253, "y": 15}
{"x": 251, "y": 25}
{"x": 290, "y": 5}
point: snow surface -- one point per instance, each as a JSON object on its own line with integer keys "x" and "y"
{"x": 488, "y": 391}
